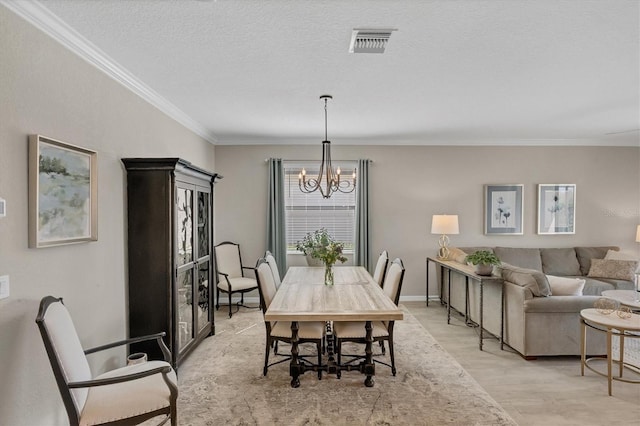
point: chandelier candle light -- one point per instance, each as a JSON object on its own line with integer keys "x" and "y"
{"x": 328, "y": 180}
{"x": 444, "y": 225}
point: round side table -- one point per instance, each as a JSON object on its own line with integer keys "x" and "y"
{"x": 624, "y": 297}
{"x": 612, "y": 325}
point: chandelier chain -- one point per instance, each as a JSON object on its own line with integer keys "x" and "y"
{"x": 328, "y": 180}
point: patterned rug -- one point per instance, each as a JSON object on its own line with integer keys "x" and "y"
{"x": 221, "y": 383}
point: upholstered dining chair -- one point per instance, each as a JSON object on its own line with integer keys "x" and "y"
{"x": 354, "y": 331}
{"x": 231, "y": 277}
{"x": 381, "y": 268}
{"x": 124, "y": 396}
{"x": 274, "y": 267}
{"x": 312, "y": 332}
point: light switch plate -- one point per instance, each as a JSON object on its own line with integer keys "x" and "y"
{"x": 4, "y": 286}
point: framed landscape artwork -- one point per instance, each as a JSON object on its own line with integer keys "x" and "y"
{"x": 63, "y": 196}
{"x": 503, "y": 209}
{"x": 556, "y": 208}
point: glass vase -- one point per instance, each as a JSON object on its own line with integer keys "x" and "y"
{"x": 328, "y": 274}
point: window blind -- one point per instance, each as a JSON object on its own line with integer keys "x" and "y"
{"x": 307, "y": 212}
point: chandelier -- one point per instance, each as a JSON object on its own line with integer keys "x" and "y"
{"x": 328, "y": 180}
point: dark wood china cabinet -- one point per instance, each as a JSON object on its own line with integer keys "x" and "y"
{"x": 170, "y": 253}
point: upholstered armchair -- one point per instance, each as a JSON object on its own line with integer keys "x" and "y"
{"x": 354, "y": 331}
{"x": 381, "y": 268}
{"x": 125, "y": 396}
{"x": 271, "y": 260}
{"x": 231, "y": 277}
{"x": 281, "y": 330}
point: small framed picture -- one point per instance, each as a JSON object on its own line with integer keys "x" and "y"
{"x": 63, "y": 193}
{"x": 556, "y": 208}
{"x": 503, "y": 209}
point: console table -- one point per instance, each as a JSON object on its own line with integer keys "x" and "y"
{"x": 470, "y": 276}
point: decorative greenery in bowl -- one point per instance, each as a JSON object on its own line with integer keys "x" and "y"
{"x": 484, "y": 261}
{"x": 320, "y": 245}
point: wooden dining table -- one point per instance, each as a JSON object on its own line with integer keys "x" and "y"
{"x": 355, "y": 296}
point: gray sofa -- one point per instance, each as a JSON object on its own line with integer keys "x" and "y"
{"x": 535, "y": 322}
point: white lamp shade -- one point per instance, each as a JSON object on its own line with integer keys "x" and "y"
{"x": 445, "y": 224}
{"x": 638, "y": 234}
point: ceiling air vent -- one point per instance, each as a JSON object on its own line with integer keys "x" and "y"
{"x": 369, "y": 40}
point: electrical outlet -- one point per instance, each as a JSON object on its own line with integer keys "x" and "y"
{"x": 4, "y": 286}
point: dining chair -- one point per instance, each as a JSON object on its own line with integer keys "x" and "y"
{"x": 354, "y": 331}
{"x": 381, "y": 268}
{"x": 124, "y": 396}
{"x": 230, "y": 272}
{"x": 274, "y": 267}
{"x": 308, "y": 332}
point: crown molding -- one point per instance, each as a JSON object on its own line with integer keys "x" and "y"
{"x": 42, "y": 18}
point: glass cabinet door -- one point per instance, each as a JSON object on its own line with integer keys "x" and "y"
{"x": 203, "y": 236}
{"x": 185, "y": 276}
{"x": 185, "y": 308}
{"x": 184, "y": 199}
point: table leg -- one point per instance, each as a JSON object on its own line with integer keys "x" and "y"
{"x": 481, "y": 314}
{"x": 466, "y": 300}
{"x": 583, "y": 337}
{"x": 621, "y": 355}
{"x": 427, "y": 281}
{"x": 449, "y": 297}
{"x": 369, "y": 366}
{"x": 609, "y": 360}
{"x": 294, "y": 366}
{"x": 502, "y": 316}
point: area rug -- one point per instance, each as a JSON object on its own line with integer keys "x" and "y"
{"x": 221, "y": 383}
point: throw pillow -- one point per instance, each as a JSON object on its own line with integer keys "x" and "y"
{"x": 563, "y": 286}
{"x": 534, "y": 280}
{"x": 618, "y": 255}
{"x": 457, "y": 255}
{"x": 585, "y": 254}
{"x": 612, "y": 268}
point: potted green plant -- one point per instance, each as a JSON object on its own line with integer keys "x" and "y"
{"x": 320, "y": 245}
{"x": 483, "y": 260}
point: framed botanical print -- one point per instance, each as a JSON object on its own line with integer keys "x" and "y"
{"x": 503, "y": 209}
{"x": 63, "y": 193}
{"x": 556, "y": 208}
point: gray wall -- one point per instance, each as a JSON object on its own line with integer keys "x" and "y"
{"x": 45, "y": 89}
{"x": 408, "y": 184}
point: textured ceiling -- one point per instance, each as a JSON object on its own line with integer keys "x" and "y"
{"x": 455, "y": 72}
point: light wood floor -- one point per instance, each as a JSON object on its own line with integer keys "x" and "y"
{"x": 546, "y": 391}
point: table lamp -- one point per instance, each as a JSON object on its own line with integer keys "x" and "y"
{"x": 444, "y": 225}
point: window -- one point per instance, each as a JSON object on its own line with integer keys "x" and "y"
{"x": 307, "y": 212}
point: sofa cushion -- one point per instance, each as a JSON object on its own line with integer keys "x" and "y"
{"x": 585, "y": 254}
{"x": 528, "y": 258}
{"x": 618, "y": 255}
{"x": 565, "y": 286}
{"x": 470, "y": 250}
{"x": 560, "y": 261}
{"x": 612, "y": 268}
{"x": 534, "y": 280}
{"x": 566, "y": 304}
{"x": 595, "y": 286}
